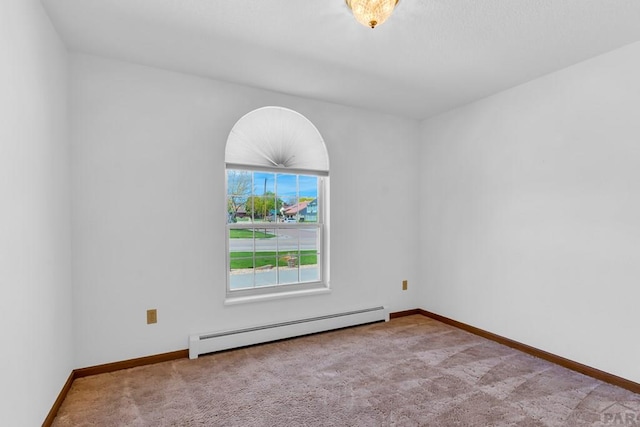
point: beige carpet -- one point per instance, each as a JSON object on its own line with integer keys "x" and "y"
{"x": 412, "y": 371}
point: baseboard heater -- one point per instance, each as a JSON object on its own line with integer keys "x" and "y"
{"x": 217, "y": 341}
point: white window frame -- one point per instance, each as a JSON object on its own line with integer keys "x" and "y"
{"x": 287, "y": 289}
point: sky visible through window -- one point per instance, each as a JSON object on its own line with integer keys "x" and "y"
{"x": 289, "y": 186}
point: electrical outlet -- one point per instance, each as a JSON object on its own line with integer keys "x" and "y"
{"x": 152, "y": 316}
{"x": 405, "y": 285}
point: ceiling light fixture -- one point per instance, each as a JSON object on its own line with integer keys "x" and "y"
{"x": 372, "y": 12}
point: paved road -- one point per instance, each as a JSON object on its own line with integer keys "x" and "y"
{"x": 287, "y": 240}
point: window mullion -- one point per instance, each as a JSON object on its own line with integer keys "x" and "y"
{"x": 277, "y": 231}
{"x": 253, "y": 213}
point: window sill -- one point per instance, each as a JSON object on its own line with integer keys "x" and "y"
{"x": 275, "y": 296}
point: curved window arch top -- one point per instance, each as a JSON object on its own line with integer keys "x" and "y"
{"x": 276, "y": 137}
{"x": 277, "y": 174}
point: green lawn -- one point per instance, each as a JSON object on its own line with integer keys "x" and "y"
{"x": 245, "y": 259}
{"x": 245, "y": 233}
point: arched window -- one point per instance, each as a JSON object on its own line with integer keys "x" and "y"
{"x": 277, "y": 171}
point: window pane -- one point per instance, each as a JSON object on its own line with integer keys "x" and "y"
{"x": 288, "y": 255}
{"x": 241, "y": 259}
{"x": 241, "y": 270}
{"x": 288, "y": 240}
{"x": 308, "y": 198}
{"x": 308, "y": 186}
{"x": 309, "y": 254}
{"x": 264, "y": 197}
{"x": 265, "y": 272}
{"x": 287, "y": 186}
{"x": 238, "y": 193}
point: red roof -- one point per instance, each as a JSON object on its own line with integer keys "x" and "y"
{"x": 294, "y": 209}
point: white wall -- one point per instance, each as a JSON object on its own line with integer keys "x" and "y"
{"x": 149, "y": 208}
{"x": 532, "y": 211}
{"x": 35, "y": 272}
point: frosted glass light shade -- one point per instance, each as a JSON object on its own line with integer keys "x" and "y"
{"x": 372, "y": 12}
{"x": 276, "y": 137}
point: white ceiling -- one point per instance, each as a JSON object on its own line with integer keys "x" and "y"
{"x": 429, "y": 57}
